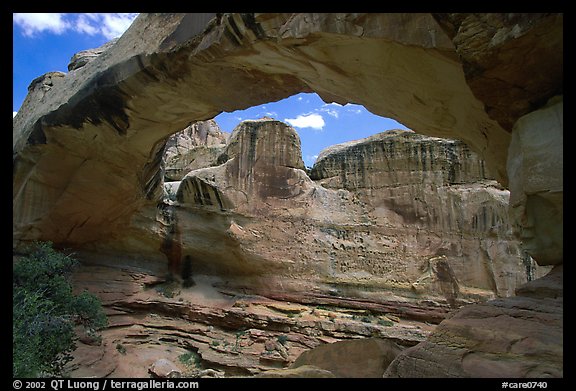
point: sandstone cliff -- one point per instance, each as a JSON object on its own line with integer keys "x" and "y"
{"x": 88, "y": 145}
{"x": 252, "y": 221}
{"x": 197, "y": 146}
{"x": 437, "y": 191}
{"x": 413, "y": 216}
{"x": 515, "y": 337}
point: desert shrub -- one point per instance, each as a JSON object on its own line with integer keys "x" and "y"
{"x": 121, "y": 349}
{"x": 387, "y": 323}
{"x": 282, "y": 339}
{"x": 45, "y": 311}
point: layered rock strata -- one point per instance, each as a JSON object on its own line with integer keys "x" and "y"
{"x": 405, "y": 213}
{"x": 515, "y": 337}
{"x": 208, "y": 327}
{"x": 198, "y": 145}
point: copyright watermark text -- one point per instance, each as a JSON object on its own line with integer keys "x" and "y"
{"x": 527, "y": 384}
{"x": 103, "y": 384}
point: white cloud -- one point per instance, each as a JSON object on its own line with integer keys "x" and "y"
{"x": 37, "y": 23}
{"x": 105, "y": 24}
{"x": 14, "y": 114}
{"x": 272, "y": 114}
{"x": 116, "y": 24}
{"x": 355, "y": 109}
{"x": 300, "y": 98}
{"x": 314, "y": 121}
{"x": 83, "y": 25}
{"x": 331, "y": 112}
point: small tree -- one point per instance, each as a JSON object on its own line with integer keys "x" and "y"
{"x": 45, "y": 311}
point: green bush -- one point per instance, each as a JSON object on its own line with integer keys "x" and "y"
{"x": 121, "y": 349}
{"x": 282, "y": 339}
{"x": 386, "y": 323}
{"x": 45, "y": 311}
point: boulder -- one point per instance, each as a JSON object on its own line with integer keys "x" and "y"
{"x": 514, "y": 337}
{"x": 164, "y": 368}
{"x": 359, "y": 358}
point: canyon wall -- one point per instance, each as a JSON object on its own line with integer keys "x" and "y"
{"x": 88, "y": 146}
{"x": 398, "y": 215}
{"x": 110, "y": 118}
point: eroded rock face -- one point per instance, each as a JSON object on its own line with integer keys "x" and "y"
{"x": 197, "y": 146}
{"x": 87, "y": 146}
{"x": 512, "y": 61}
{"x": 397, "y": 158}
{"x": 536, "y": 183}
{"x": 371, "y": 221}
{"x": 514, "y": 337}
{"x": 154, "y": 80}
{"x": 262, "y": 162}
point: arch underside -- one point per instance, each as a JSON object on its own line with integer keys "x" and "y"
{"x": 91, "y": 162}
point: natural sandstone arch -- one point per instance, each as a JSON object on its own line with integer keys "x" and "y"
{"x": 87, "y": 146}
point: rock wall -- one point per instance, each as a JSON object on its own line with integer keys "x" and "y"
{"x": 108, "y": 120}
{"x": 515, "y": 337}
{"x": 435, "y": 190}
{"x": 536, "y": 167}
{"x": 197, "y": 146}
{"x": 87, "y": 146}
{"x": 398, "y": 214}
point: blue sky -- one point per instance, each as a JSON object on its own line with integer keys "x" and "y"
{"x": 46, "y": 42}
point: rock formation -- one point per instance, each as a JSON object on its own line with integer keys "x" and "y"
{"x": 398, "y": 213}
{"x": 514, "y": 337}
{"x": 82, "y": 58}
{"x": 119, "y": 108}
{"x": 364, "y": 358}
{"x": 197, "y": 146}
{"x": 88, "y": 146}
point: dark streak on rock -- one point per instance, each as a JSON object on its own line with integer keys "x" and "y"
{"x": 100, "y": 100}
{"x": 152, "y": 175}
{"x": 190, "y": 26}
{"x": 37, "y": 136}
{"x": 251, "y": 23}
